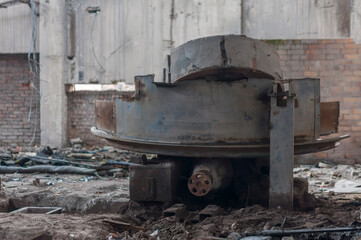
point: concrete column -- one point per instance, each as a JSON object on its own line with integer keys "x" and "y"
{"x": 281, "y": 150}
{"x": 52, "y": 48}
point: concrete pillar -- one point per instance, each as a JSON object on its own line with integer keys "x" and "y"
{"x": 52, "y": 48}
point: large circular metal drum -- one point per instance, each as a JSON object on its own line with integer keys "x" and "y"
{"x": 212, "y": 101}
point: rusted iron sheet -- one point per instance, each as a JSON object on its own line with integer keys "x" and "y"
{"x": 105, "y": 116}
{"x": 330, "y": 112}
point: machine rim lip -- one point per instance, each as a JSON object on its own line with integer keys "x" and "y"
{"x": 195, "y": 150}
{"x": 200, "y": 183}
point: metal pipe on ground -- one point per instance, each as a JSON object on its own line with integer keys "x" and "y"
{"x": 210, "y": 175}
{"x": 47, "y": 169}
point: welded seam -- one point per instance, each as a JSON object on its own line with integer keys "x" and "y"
{"x": 223, "y": 52}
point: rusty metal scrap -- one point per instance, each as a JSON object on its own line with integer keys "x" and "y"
{"x": 330, "y": 112}
{"x": 104, "y": 111}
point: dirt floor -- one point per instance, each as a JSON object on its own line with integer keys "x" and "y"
{"x": 98, "y": 207}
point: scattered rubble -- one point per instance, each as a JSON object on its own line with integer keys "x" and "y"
{"x": 97, "y": 206}
{"x": 105, "y": 161}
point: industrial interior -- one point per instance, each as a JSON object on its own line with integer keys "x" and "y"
{"x": 194, "y": 119}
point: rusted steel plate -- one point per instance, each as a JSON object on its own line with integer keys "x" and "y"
{"x": 330, "y": 112}
{"x": 105, "y": 116}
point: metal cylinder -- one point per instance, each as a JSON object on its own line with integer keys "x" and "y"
{"x": 210, "y": 175}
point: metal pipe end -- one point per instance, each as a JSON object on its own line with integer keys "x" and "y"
{"x": 200, "y": 183}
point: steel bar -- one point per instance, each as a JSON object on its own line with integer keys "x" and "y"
{"x": 281, "y": 151}
{"x": 48, "y": 169}
{"x": 300, "y": 231}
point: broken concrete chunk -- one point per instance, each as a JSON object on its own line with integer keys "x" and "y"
{"x": 210, "y": 211}
{"x": 254, "y": 238}
{"x": 175, "y": 210}
{"x": 74, "y": 141}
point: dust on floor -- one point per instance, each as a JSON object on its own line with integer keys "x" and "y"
{"x": 96, "y": 207}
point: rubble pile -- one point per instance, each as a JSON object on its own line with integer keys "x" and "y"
{"x": 331, "y": 178}
{"x": 93, "y": 195}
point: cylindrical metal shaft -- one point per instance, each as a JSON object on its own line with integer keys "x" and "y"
{"x": 210, "y": 175}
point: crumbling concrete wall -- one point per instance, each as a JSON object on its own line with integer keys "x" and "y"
{"x": 337, "y": 62}
{"x": 17, "y": 98}
{"x": 81, "y": 114}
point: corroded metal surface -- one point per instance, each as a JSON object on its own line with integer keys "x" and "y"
{"x": 330, "y": 112}
{"x": 208, "y": 112}
{"x": 152, "y": 182}
{"x": 215, "y": 103}
{"x": 210, "y": 175}
{"x": 307, "y": 108}
{"x": 105, "y": 119}
{"x": 230, "y": 56}
{"x": 200, "y": 183}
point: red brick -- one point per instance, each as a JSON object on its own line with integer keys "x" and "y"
{"x": 15, "y": 102}
{"x": 345, "y": 40}
{"x": 349, "y": 45}
{"x": 349, "y": 51}
{"x": 334, "y": 46}
{"x": 340, "y": 80}
{"x": 352, "y": 56}
{"x": 81, "y": 114}
{"x": 327, "y": 41}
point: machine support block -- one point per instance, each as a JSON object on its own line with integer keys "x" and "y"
{"x": 281, "y": 151}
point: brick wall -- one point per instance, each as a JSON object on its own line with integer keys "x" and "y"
{"x": 17, "y": 97}
{"x": 81, "y": 114}
{"x": 338, "y": 65}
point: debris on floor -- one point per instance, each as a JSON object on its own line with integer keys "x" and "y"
{"x": 98, "y": 206}
{"x": 105, "y": 161}
{"x": 329, "y": 177}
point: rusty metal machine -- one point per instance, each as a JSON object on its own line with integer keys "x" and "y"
{"x": 222, "y": 121}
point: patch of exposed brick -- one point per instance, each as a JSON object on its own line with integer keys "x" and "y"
{"x": 15, "y": 102}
